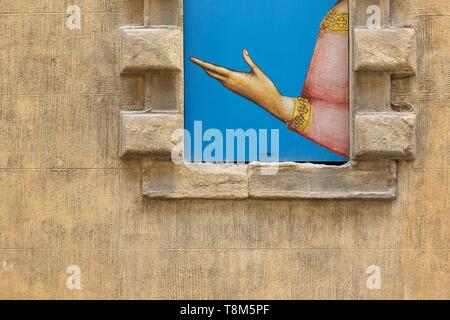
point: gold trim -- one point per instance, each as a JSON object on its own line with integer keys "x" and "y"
{"x": 336, "y": 22}
{"x": 302, "y": 116}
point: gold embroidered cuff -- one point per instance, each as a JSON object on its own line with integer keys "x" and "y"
{"x": 336, "y": 22}
{"x": 302, "y": 116}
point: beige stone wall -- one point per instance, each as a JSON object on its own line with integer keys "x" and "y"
{"x": 68, "y": 199}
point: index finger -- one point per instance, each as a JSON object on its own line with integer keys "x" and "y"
{"x": 212, "y": 67}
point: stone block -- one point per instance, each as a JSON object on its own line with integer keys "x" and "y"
{"x": 151, "y": 48}
{"x": 148, "y": 134}
{"x": 370, "y": 180}
{"x": 388, "y": 50}
{"x": 164, "y": 179}
{"x": 388, "y": 135}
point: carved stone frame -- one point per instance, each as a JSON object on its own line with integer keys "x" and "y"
{"x": 380, "y": 135}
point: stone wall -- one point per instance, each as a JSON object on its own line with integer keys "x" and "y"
{"x": 68, "y": 199}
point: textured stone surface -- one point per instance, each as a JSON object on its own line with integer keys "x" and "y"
{"x": 68, "y": 199}
{"x": 151, "y": 48}
{"x": 353, "y": 180}
{"x": 389, "y": 135}
{"x": 163, "y": 179}
{"x": 148, "y": 134}
{"x": 389, "y": 50}
{"x": 370, "y": 180}
{"x": 163, "y": 12}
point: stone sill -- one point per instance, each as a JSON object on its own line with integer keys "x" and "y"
{"x": 354, "y": 180}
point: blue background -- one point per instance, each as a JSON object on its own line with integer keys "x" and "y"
{"x": 280, "y": 37}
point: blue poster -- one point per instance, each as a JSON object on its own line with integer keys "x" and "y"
{"x": 266, "y": 80}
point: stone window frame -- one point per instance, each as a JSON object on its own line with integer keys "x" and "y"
{"x": 381, "y": 135}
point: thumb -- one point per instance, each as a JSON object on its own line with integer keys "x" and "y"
{"x": 250, "y": 62}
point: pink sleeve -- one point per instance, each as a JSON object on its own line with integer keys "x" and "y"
{"x": 327, "y": 89}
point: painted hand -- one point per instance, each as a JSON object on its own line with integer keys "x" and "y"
{"x": 254, "y": 86}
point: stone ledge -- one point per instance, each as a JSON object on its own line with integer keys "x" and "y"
{"x": 163, "y": 179}
{"x": 374, "y": 180}
{"x": 148, "y": 134}
{"x": 386, "y": 50}
{"x": 151, "y": 48}
{"x": 368, "y": 180}
{"x": 388, "y": 135}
